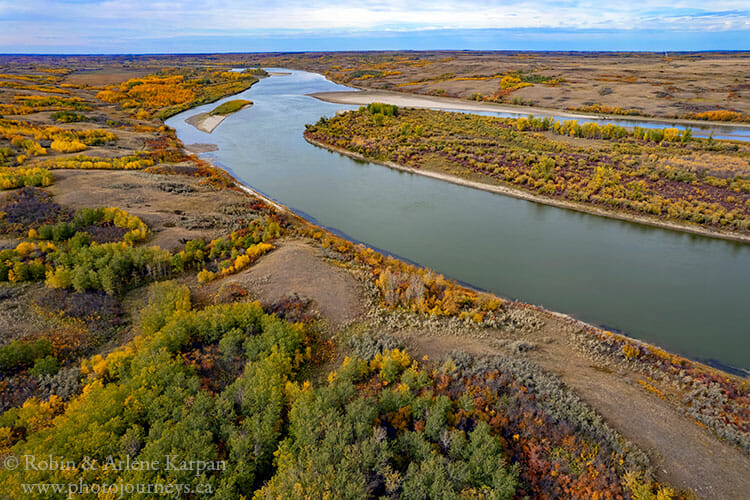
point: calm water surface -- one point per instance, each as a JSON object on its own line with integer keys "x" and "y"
{"x": 687, "y": 293}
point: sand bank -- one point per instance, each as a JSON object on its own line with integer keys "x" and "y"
{"x": 201, "y": 148}
{"x": 206, "y": 122}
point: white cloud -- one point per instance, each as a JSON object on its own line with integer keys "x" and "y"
{"x": 125, "y": 19}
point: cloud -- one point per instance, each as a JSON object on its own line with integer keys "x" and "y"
{"x": 48, "y": 23}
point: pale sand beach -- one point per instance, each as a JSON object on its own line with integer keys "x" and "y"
{"x": 206, "y": 122}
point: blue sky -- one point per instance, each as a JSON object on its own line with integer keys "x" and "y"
{"x": 156, "y": 26}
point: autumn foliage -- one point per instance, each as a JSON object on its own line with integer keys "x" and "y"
{"x": 664, "y": 173}
{"x": 172, "y": 91}
{"x": 226, "y": 383}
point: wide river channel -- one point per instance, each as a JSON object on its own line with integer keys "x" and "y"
{"x": 686, "y": 293}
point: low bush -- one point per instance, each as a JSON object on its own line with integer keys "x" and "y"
{"x": 47, "y": 365}
{"x": 28, "y": 208}
{"x": 22, "y": 354}
{"x": 68, "y": 117}
{"x": 11, "y": 178}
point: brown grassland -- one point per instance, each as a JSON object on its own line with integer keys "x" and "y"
{"x": 703, "y": 86}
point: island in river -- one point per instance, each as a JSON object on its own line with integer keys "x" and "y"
{"x": 207, "y": 122}
{"x": 661, "y": 177}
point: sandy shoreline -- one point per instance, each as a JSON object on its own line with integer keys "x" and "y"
{"x": 206, "y": 122}
{"x": 523, "y": 195}
{"x": 364, "y": 97}
{"x": 201, "y": 147}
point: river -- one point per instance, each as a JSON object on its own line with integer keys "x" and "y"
{"x": 689, "y": 294}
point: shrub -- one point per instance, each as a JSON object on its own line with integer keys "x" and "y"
{"x": 68, "y": 116}
{"x": 204, "y": 276}
{"x": 67, "y": 146}
{"x": 47, "y": 365}
{"x": 22, "y": 354}
{"x": 19, "y": 177}
{"x": 382, "y": 109}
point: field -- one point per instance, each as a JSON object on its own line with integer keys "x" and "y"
{"x": 702, "y": 86}
{"x": 149, "y": 306}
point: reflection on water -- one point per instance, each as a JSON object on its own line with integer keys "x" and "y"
{"x": 686, "y": 293}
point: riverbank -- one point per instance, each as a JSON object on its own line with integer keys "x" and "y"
{"x": 207, "y": 122}
{"x": 578, "y": 393}
{"x": 667, "y": 287}
{"x": 364, "y": 97}
{"x": 183, "y": 198}
{"x": 636, "y": 398}
{"x": 588, "y": 359}
{"x": 520, "y": 194}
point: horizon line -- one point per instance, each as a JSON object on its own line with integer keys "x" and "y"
{"x": 586, "y": 51}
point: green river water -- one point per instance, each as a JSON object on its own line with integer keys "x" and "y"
{"x": 686, "y": 293}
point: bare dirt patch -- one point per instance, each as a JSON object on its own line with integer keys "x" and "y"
{"x": 176, "y": 208}
{"x": 100, "y": 77}
{"x": 296, "y": 267}
{"x": 683, "y": 453}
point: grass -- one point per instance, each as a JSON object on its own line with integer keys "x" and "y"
{"x": 230, "y": 107}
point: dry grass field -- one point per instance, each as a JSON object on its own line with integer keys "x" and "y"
{"x": 652, "y": 84}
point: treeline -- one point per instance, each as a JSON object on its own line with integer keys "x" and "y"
{"x": 115, "y": 265}
{"x": 230, "y": 107}
{"x": 11, "y": 178}
{"x": 592, "y": 130}
{"x": 129, "y": 162}
{"x": 26, "y": 137}
{"x": 720, "y": 115}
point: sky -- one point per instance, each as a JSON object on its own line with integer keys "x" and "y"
{"x": 192, "y": 26}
